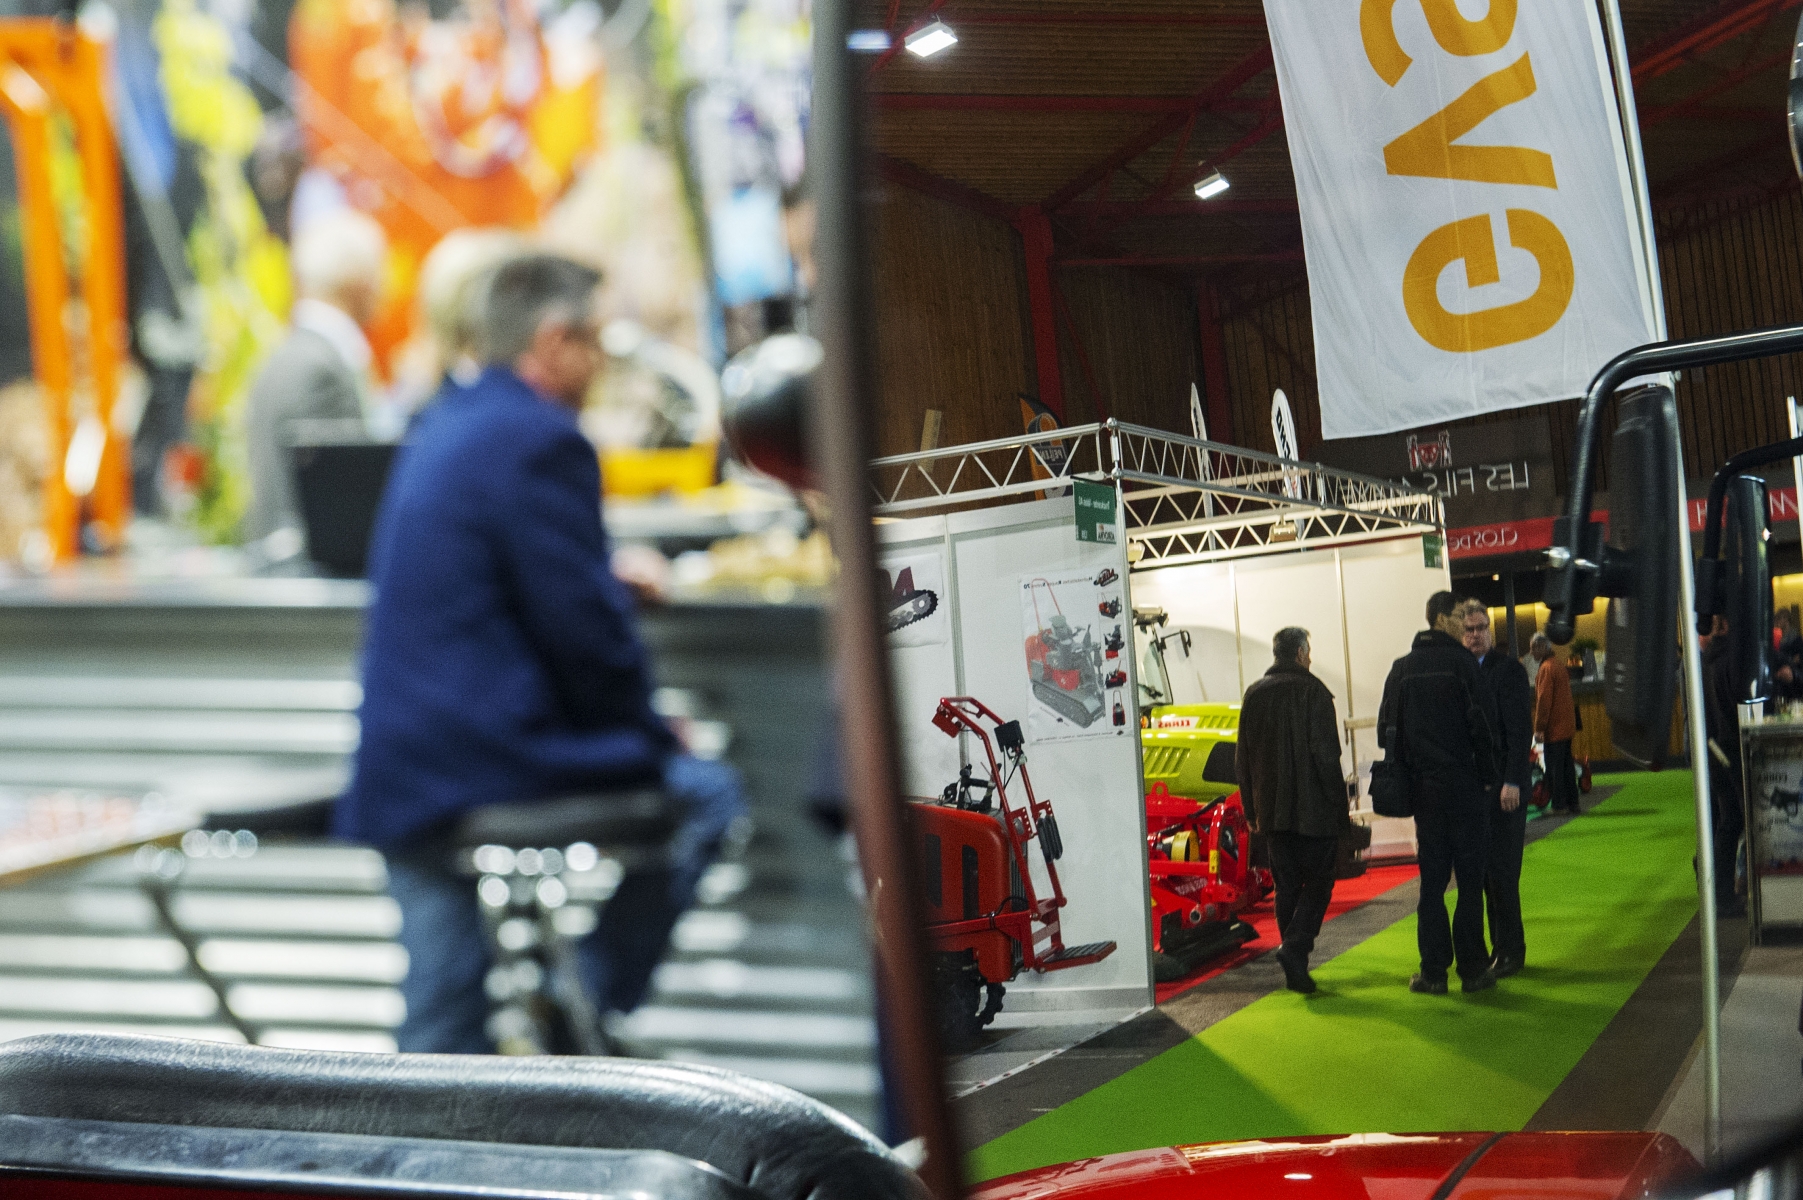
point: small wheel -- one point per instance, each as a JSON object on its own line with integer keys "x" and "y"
{"x": 967, "y": 1003}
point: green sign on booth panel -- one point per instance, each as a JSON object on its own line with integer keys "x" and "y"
{"x": 1431, "y": 546}
{"x": 1095, "y": 511}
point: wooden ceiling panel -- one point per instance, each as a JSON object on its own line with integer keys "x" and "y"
{"x": 1038, "y": 93}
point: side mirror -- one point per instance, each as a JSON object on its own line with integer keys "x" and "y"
{"x": 1640, "y": 575}
{"x": 1748, "y": 599}
{"x": 1795, "y": 106}
{"x": 767, "y": 392}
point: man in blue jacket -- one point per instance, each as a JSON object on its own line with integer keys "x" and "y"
{"x": 501, "y": 662}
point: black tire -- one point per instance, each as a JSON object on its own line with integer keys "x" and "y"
{"x": 966, "y": 1001}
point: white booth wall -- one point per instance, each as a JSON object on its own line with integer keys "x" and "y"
{"x": 1093, "y": 780}
{"x": 1362, "y": 604}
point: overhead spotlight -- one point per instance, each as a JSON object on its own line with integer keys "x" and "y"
{"x": 929, "y": 40}
{"x": 867, "y": 41}
{"x": 1211, "y": 187}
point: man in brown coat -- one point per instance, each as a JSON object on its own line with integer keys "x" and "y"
{"x": 1288, "y": 762}
{"x": 1555, "y": 721}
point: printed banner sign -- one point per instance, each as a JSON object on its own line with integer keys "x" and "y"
{"x": 1076, "y": 630}
{"x": 1467, "y": 217}
{"x": 1095, "y": 511}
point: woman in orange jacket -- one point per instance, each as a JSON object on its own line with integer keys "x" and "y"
{"x": 1555, "y": 721}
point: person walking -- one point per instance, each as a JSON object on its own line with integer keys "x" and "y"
{"x": 1555, "y": 722}
{"x": 1439, "y": 720}
{"x": 502, "y": 663}
{"x": 1508, "y": 683}
{"x": 1288, "y": 763}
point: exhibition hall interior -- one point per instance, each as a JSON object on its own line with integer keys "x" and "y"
{"x": 901, "y": 598}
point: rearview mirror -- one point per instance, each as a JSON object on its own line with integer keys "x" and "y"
{"x": 1640, "y": 575}
{"x": 1748, "y": 602}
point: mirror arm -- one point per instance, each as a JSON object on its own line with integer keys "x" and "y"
{"x": 1573, "y": 577}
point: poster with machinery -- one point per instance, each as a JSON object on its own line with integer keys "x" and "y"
{"x": 1075, "y": 632}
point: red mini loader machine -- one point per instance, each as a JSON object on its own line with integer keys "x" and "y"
{"x": 986, "y": 922}
{"x": 1200, "y": 857}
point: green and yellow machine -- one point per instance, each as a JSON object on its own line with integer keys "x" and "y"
{"x": 1187, "y": 747}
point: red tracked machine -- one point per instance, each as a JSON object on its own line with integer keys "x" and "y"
{"x": 1202, "y": 879}
{"x": 986, "y": 923}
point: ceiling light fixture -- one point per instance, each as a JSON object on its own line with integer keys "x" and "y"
{"x": 1211, "y": 187}
{"x": 929, "y": 40}
{"x": 867, "y": 41}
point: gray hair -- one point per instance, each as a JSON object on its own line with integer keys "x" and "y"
{"x": 521, "y": 295}
{"x": 337, "y": 250}
{"x": 1540, "y": 646}
{"x": 1289, "y": 644}
{"x": 450, "y": 278}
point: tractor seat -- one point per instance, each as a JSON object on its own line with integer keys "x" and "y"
{"x": 180, "y": 1112}
{"x": 643, "y": 818}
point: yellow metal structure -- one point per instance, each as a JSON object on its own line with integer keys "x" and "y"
{"x": 50, "y": 69}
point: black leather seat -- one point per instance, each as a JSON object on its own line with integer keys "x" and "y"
{"x": 780, "y": 1144}
{"x": 639, "y": 818}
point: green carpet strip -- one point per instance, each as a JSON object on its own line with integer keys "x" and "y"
{"x": 1602, "y": 899}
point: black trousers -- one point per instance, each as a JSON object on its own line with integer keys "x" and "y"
{"x": 1730, "y": 824}
{"x": 1303, "y": 868}
{"x": 1452, "y": 834}
{"x": 1502, "y": 881}
{"x": 1561, "y": 777}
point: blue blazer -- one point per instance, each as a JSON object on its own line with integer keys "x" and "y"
{"x": 500, "y": 659}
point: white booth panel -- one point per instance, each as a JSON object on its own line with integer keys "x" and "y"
{"x": 1093, "y": 782}
{"x": 922, "y": 659}
{"x": 1199, "y": 598}
{"x": 1294, "y": 589}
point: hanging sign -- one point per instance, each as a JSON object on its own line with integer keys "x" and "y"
{"x": 1283, "y": 435}
{"x": 1467, "y": 216}
{"x": 1095, "y": 511}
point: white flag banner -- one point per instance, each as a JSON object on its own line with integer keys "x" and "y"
{"x": 1467, "y": 216}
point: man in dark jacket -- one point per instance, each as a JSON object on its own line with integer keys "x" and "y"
{"x": 501, "y": 663}
{"x": 1508, "y": 682}
{"x": 1288, "y": 761}
{"x": 1438, "y": 719}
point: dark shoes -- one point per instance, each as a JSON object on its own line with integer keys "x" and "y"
{"x": 1295, "y": 971}
{"x": 1437, "y": 987}
{"x": 1504, "y": 965}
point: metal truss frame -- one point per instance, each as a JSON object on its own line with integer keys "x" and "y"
{"x": 1184, "y": 500}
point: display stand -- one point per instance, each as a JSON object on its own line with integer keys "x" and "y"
{"x": 1772, "y": 754}
{"x": 1234, "y": 544}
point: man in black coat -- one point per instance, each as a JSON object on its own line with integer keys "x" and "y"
{"x": 1508, "y": 682}
{"x": 1439, "y": 720}
{"x": 1288, "y": 762}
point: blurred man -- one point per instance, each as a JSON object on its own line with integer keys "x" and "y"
{"x": 1555, "y": 722}
{"x": 1290, "y": 775}
{"x": 1514, "y": 699}
{"x": 1439, "y": 720}
{"x": 501, "y": 663}
{"x": 319, "y": 373}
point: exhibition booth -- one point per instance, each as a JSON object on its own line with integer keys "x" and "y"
{"x": 1059, "y": 540}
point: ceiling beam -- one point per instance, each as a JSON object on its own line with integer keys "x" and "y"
{"x": 1213, "y": 20}
{"x": 1236, "y": 77}
{"x": 1180, "y": 260}
{"x": 933, "y": 101}
{"x": 914, "y": 178}
{"x": 1692, "y": 105}
{"x": 1179, "y": 207}
{"x": 1723, "y": 23}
